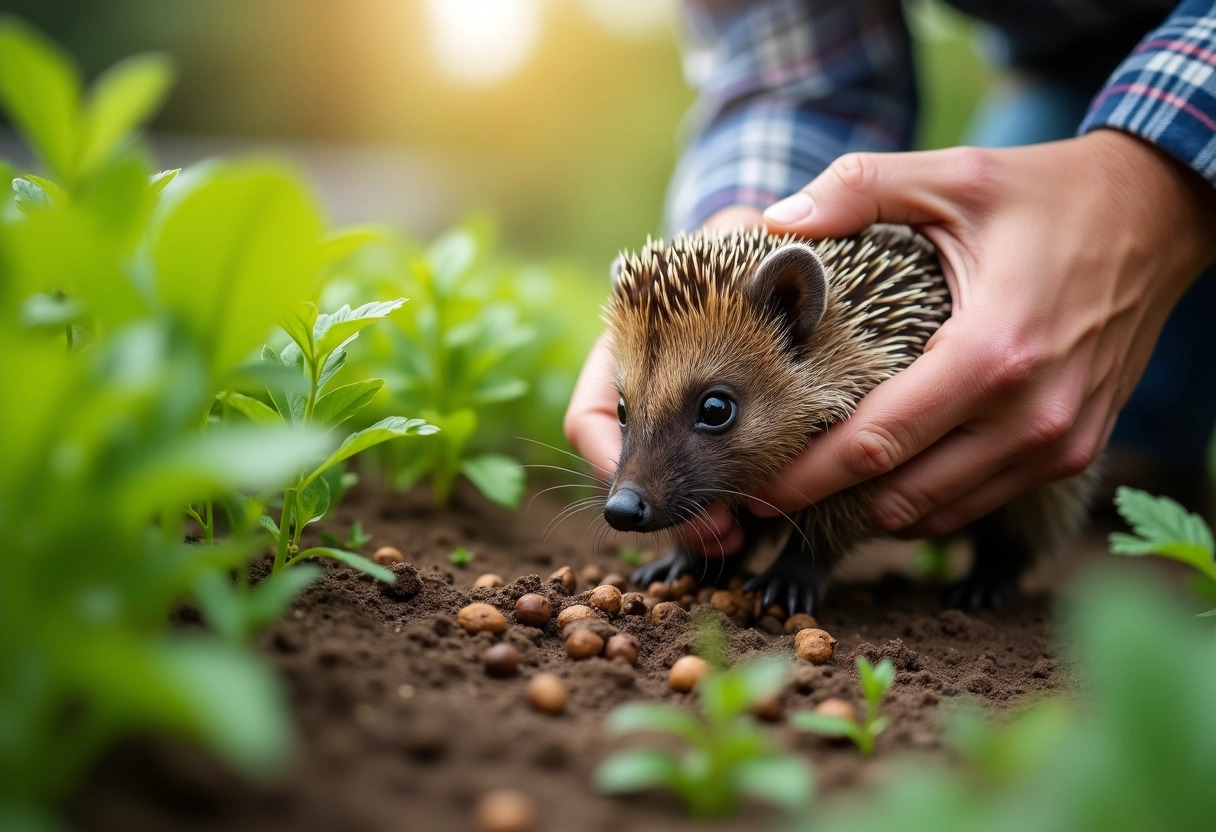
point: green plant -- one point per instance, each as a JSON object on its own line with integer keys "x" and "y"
{"x": 460, "y": 557}
{"x": 875, "y": 682}
{"x": 632, "y": 557}
{"x": 1130, "y": 749}
{"x": 1162, "y": 527}
{"x": 727, "y": 755}
{"x": 356, "y": 538}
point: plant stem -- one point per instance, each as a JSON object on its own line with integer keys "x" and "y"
{"x": 209, "y": 526}
{"x": 285, "y": 519}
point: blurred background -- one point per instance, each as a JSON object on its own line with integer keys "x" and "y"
{"x": 559, "y": 118}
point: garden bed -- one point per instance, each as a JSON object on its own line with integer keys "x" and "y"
{"x": 401, "y": 728}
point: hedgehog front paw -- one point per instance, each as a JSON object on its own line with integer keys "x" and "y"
{"x": 677, "y": 562}
{"x": 797, "y": 588}
{"x": 982, "y": 591}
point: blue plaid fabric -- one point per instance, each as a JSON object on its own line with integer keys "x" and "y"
{"x": 786, "y": 86}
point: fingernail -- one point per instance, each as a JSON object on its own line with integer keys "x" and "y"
{"x": 791, "y": 209}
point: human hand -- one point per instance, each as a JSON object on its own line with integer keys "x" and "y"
{"x": 1063, "y": 259}
{"x": 591, "y": 424}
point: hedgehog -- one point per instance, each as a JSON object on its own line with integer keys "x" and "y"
{"x": 732, "y": 351}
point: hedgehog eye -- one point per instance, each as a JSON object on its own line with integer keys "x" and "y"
{"x": 620, "y": 410}
{"x": 717, "y": 412}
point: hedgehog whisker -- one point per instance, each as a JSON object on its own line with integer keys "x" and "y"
{"x": 765, "y": 502}
{"x": 561, "y": 468}
{"x": 571, "y": 509}
{"x": 556, "y": 487}
{"x": 561, "y": 451}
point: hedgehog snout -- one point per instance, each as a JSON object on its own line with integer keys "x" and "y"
{"x": 628, "y": 510}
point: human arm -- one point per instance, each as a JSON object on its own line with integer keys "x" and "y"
{"x": 1064, "y": 260}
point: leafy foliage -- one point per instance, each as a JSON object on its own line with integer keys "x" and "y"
{"x": 460, "y": 557}
{"x": 875, "y": 682}
{"x": 727, "y": 756}
{"x": 1162, "y": 527}
{"x": 1134, "y": 753}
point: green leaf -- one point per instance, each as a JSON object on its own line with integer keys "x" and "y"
{"x": 336, "y": 329}
{"x": 827, "y": 726}
{"x": 1163, "y": 527}
{"x": 357, "y": 538}
{"x": 333, "y": 363}
{"x": 761, "y": 678}
{"x": 299, "y": 323}
{"x": 499, "y": 390}
{"x": 232, "y": 251}
{"x": 159, "y": 181}
{"x": 875, "y": 681}
{"x": 636, "y": 717}
{"x": 270, "y": 525}
{"x": 391, "y": 427}
{"x": 57, "y": 194}
{"x": 351, "y": 559}
{"x": 339, "y": 404}
{"x": 30, "y": 196}
{"x": 340, "y": 244}
{"x": 637, "y": 769}
{"x": 450, "y": 257}
{"x": 256, "y": 411}
{"x": 123, "y": 98}
{"x": 47, "y": 312}
{"x": 499, "y": 478}
{"x": 460, "y": 556}
{"x": 40, "y": 91}
{"x": 313, "y": 501}
{"x": 784, "y": 781}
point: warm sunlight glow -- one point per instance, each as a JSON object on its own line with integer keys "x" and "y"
{"x": 483, "y": 41}
{"x": 631, "y": 18}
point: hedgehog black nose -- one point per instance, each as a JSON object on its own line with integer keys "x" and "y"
{"x": 627, "y": 510}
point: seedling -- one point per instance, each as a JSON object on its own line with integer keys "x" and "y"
{"x": 1162, "y": 527}
{"x": 727, "y": 755}
{"x": 875, "y": 681}
{"x": 632, "y": 557}
{"x": 461, "y": 557}
{"x": 356, "y": 538}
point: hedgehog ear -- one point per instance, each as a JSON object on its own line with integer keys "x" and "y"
{"x": 793, "y": 284}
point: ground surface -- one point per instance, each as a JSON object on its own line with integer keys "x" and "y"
{"x": 402, "y": 729}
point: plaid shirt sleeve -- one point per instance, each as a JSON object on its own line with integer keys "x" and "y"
{"x": 1165, "y": 91}
{"x": 786, "y": 86}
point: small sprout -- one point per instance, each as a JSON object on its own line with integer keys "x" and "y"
{"x": 533, "y": 610}
{"x": 932, "y": 560}
{"x": 617, "y": 580}
{"x": 606, "y": 599}
{"x": 663, "y": 610}
{"x": 572, "y": 613}
{"x": 480, "y": 617}
{"x": 386, "y": 555}
{"x": 814, "y": 645}
{"x": 546, "y": 693}
{"x": 687, "y": 672}
{"x": 461, "y": 557}
{"x": 356, "y": 538}
{"x": 501, "y": 660}
{"x": 488, "y": 581}
{"x": 565, "y": 579}
{"x": 623, "y": 646}
{"x": 727, "y": 755}
{"x": 592, "y": 575}
{"x": 837, "y": 718}
{"x": 632, "y": 557}
{"x": 583, "y": 644}
{"x": 800, "y": 621}
{"x": 633, "y": 603}
{"x": 506, "y": 810}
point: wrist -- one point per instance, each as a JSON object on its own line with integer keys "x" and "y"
{"x": 1167, "y": 203}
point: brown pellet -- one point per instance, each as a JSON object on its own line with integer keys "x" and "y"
{"x": 770, "y": 708}
{"x": 726, "y": 602}
{"x": 606, "y": 599}
{"x": 533, "y": 610}
{"x": 617, "y": 580}
{"x": 686, "y": 672}
{"x": 659, "y": 590}
{"x": 506, "y": 810}
{"x": 480, "y": 617}
{"x": 838, "y": 708}
{"x": 572, "y": 613}
{"x": 583, "y": 644}
{"x": 663, "y": 609}
{"x": 592, "y": 575}
{"x": 387, "y": 554}
{"x": 624, "y": 646}
{"x": 800, "y": 621}
{"x": 488, "y": 581}
{"x": 684, "y": 585}
{"x": 565, "y": 578}
{"x": 633, "y": 603}
{"x": 546, "y": 693}
{"x": 501, "y": 660}
{"x": 814, "y": 645}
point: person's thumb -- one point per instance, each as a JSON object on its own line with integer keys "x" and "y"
{"x": 860, "y": 189}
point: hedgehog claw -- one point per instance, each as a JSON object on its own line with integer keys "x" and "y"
{"x": 677, "y": 562}
{"x": 976, "y": 592}
{"x": 794, "y": 593}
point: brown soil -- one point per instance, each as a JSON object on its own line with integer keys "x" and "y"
{"x": 401, "y": 728}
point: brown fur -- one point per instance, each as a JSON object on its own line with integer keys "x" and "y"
{"x": 681, "y": 320}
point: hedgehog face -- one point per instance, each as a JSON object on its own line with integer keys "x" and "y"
{"x": 710, "y": 369}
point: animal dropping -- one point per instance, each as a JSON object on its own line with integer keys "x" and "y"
{"x": 732, "y": 351}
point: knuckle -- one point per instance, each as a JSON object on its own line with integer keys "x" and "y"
{"x": 870, "y": 452}
{"x": 1008, "y": 363}
{"x": 1049, "y": 425}
{"x": 855, "y": 171}
{"x": 1074, "y": 458}
{"x": 897, "y": 510}
{"x": 974, "y": 168}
